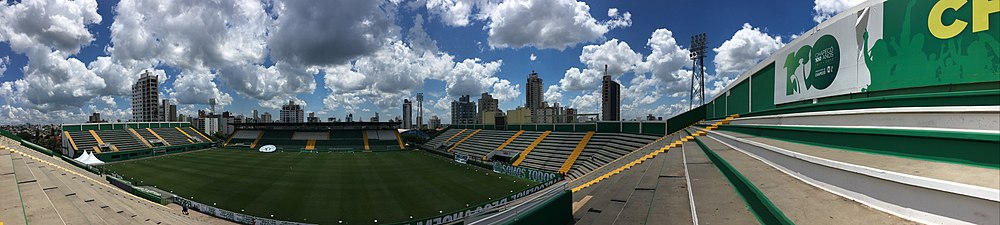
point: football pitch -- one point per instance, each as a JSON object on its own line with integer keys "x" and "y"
{"x": 356, "y": 188}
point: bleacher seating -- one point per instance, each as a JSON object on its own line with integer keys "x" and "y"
{"x": 301, "y": 135}
{"x": 55, "y": 192}
{"x": 173, "y": 136}
{"x": 152, "y": 139}
{"x": 484, "y": 142}
{"x": 122, "y": 139}
{"x": 84, "y": 141}
{"x": 334, "y": 140}
{"x": 551, "y": 153}
{"x": 243, "y": 138}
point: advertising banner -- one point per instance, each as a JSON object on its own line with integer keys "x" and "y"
{"x": 889, "y": 45}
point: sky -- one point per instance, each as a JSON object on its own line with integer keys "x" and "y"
{"x": 62, "y": 60}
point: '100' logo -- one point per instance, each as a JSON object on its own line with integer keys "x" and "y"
{"x": 812, "y": 66}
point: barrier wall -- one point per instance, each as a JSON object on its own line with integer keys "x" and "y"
{"x": 893, "y": 53}
{"x": 119, "y": 126}
{"x": 143, "y": 153}
{"x": 653, "y": 128}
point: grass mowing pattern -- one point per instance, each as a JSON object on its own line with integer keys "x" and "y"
{"x": 323, "y": 187}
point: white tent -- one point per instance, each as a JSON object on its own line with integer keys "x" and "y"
{"x": 89, "y": 159}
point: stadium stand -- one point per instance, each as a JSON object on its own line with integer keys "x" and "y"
{"x": 483, "y": 143}
{"x": 124, "y": 140}
{"x": 153, "y": 140}
{"x": 243, "y": 138}
{"x": 324, "y": 140}
{"x": 40, "y": 189}
{"x": 551, "y": 153}
{"x": 173, "y": 135}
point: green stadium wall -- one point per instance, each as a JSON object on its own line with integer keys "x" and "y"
{"x": 910, "y": 62}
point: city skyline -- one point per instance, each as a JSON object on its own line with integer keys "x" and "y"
{"x": 442, "y": 49}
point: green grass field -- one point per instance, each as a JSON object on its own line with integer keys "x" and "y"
{"x": 356, "y": 188}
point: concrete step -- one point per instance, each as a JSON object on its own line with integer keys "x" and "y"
{"x": 898, "y": 186}
{"x": 715, "y": 199}
{"x": 37, "y": 207}
{"x": 800, "y": 202}
{"x": 10, "y": 197}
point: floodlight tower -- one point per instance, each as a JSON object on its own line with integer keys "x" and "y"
{"x": 420, "y": 111}
{"x": 698, "y": 44}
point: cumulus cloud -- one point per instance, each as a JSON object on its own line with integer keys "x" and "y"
{"x": 587, "y": 103}
{"x": 824, "y": 9}
{"x": 617, "y": 55}
{"x": 4, "y": 61}
{"x": 330, "y": 32}
{"x": 56, "y": 25}
{"x": 455, "y": 13}
{"x": 742, "y": 52}
{"x": 555, "y": 24}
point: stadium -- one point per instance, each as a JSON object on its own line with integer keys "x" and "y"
{"x": 879, "y": 115}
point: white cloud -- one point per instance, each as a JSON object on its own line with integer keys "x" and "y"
{"x": 197, "y": 87}
{"x": 824, "y": 9}
{"x": 418, "y": 38}
{"x": 330, "y": 32}
{"x": 587, "y": 103}
{"x": 4, "y": 61}
{"x": 740, "y": 53}
{"x": 555, "y": 24}
{"x": 56, "y": 25}
{"x": 504, "y": 91}
{"x": 553, "y": 94}
{"x": 617, "y": 55}
{"x": 454, "y": 13}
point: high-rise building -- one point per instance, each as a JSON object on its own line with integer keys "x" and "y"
{"x": 167, "y": 111}
{"x": 146, "y": 98}
{"x": 291, "y": 113}
{"x": 266, "y": 117}
{"x": 96, "y": 118}
{"x": 375, "y": 118}
{"x": 534, "y": 90}
{"x": 420, "y": 110}
{"x": 312, "y": 118}
{"x": 435, "y": 123}
{"x": 463, "y": 111}
{"x": 611, "y": 103}
{"x": 488, "y": 107}
{"x": 256, "y": 118}
{"x": 407, "y": 114}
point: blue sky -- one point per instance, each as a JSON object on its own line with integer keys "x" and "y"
{"x": 61, "y": 60}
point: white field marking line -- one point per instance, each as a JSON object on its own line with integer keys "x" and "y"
{"x": 43, "y": 191}
{"x": 925, "y": 182}
{"x": 880, "y": 127}
{"x": 856, "y": 197}
{"x": 687, "y": 178}
{"x": 900, "y": 110}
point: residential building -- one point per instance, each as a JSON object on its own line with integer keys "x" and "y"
{"x": 407, "y": 114}
{"x": 611, "y": 102}
{"x": 487, "y": 104}
{"x": 463, "y": 111}
{"x": 434, "y": 123}
{"x": 266, "y": 118}
{"x": 145, "y": 98}
{"x": 291, "y": 113}
{"x": 96, "y": 118}
{"x": 312, "y": 118}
